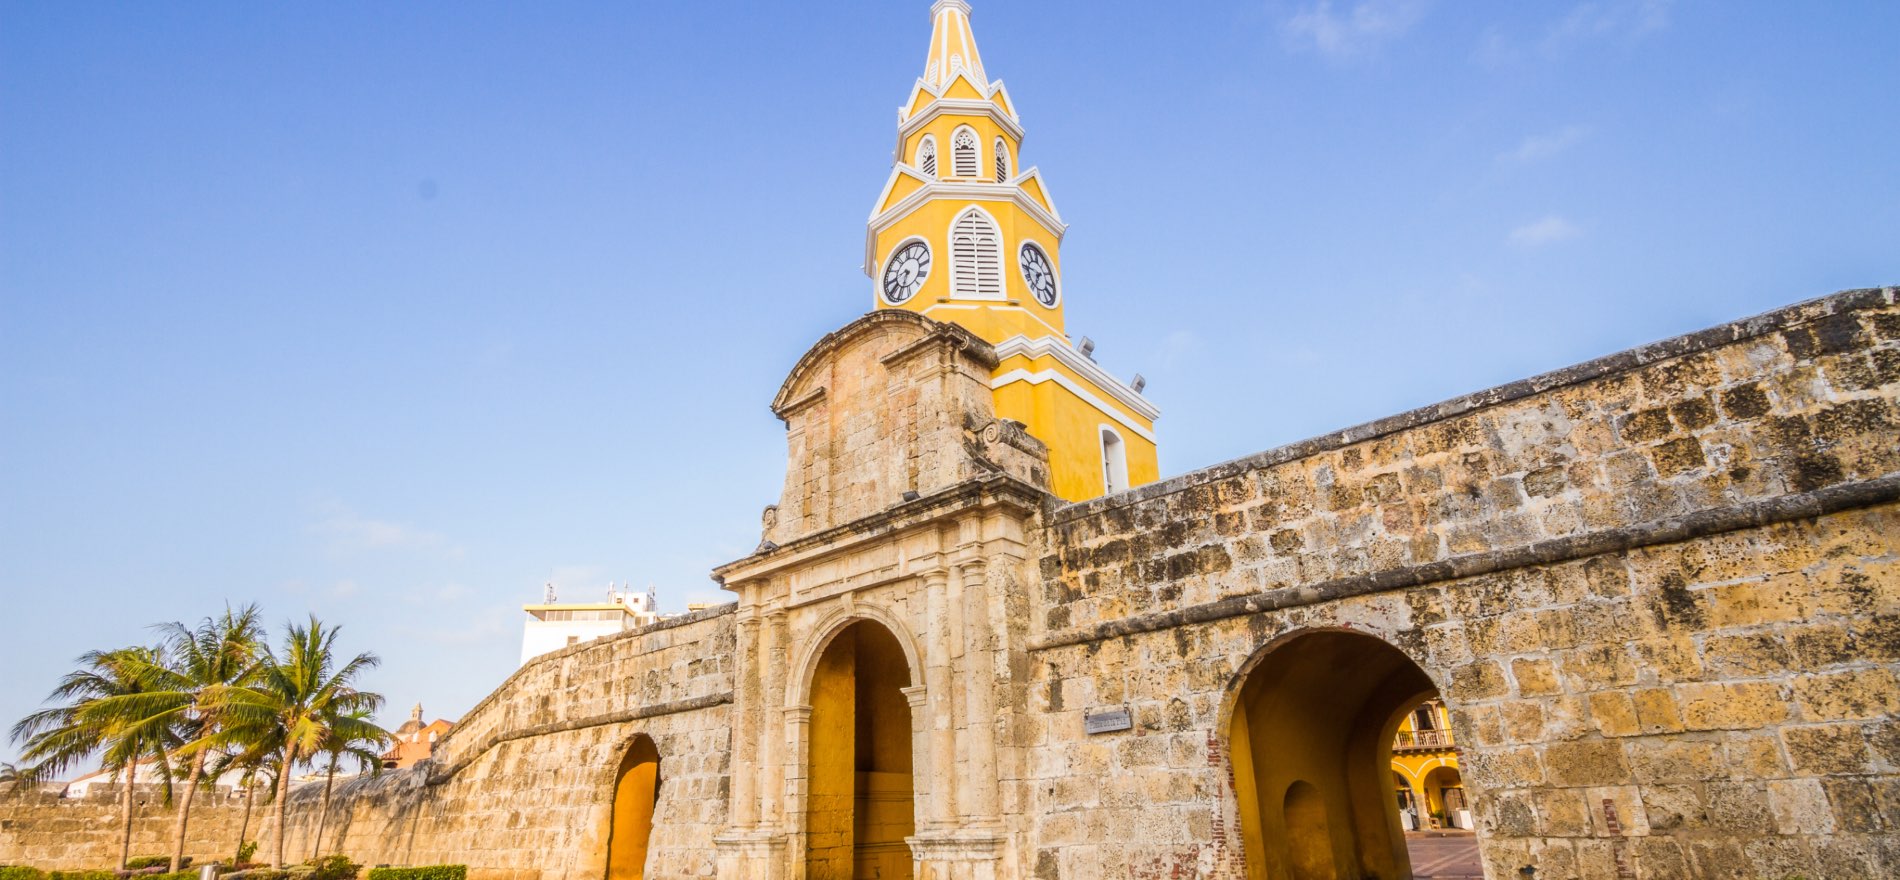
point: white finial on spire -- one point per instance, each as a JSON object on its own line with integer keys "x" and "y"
{"x": 952, "y": 46}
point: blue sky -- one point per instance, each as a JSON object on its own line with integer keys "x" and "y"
{"x": 393, "y": 313}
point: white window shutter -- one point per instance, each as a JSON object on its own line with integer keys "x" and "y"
{"x": 963, "y": 148}
{"x": 927, "y": 156}
{"x": 976, "y": 263}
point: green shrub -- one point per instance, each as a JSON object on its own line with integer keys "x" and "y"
{"x": 258, "y": 874}
{"x": 82, "y": 875}
{"x": 175, "y": 875}
{"x": 21, "y": 872}
{"x": 246, "y": 851}
{"x": 336, "y": 867}
{"x": 426, "y": 872}
{"x": 138, "y": 862}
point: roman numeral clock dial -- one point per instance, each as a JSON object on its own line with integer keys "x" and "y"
{"x": 905, "y": 272}
{"x": 1039, "y": 275}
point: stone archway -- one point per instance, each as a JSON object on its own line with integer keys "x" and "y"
{"x": 861, "y": 803}
{"x": 1311, "y": 743}
{"x": 636, "y": 794}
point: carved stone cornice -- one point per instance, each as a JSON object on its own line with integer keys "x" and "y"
{"x": 990, "y": 491}
{"x": 966, "y": 845}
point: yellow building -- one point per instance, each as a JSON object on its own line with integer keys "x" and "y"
{"x": 964, "y": 232}
{"x": 1425, "y": 771}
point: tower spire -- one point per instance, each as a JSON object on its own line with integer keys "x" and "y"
{"x": 952, "y": 46}
{"x": 966, "y": 231}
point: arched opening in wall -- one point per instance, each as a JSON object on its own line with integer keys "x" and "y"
{"x": 861, "y": 802}
{"x": 1445, "y": 798}
{"x": 636, "y": 793}
{"x": 1409, "y": 809}
{"x": 1311, "y": 740}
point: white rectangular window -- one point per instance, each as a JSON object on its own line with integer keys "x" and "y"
{"x": 1114, "y": 462}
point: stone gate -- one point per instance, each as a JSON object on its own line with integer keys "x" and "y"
{"x": 1659, "y": 592}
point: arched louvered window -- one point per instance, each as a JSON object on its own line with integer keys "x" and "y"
{"x": 927, "y": 155}
{"x": 1002, "y": 161}
{"x": 963, "y": 151}
{"x": 976, "y": 259}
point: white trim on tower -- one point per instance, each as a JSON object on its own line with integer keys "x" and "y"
{"x": 1041, "y": 376}
{"x": 1066, "y": 355}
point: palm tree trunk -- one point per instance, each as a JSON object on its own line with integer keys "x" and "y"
{"x": 323, "y": 812}
{"x": 283, "y": 794}
{"x": 125, "y": 807}
{"x": 244, "y": 826}
{"x": 184, "y": 812}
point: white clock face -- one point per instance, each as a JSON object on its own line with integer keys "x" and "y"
{"x": 905, "y": 272}
{"x": 1039, "y": 274}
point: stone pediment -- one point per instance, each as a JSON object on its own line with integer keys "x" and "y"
{"x": 892, "y": 403}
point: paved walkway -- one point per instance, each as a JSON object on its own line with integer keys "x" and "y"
{"x": 1444, "y": 856}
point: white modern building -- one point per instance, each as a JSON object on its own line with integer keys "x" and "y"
{"x": 147, "y": 773}
{"x": 554, "y": 625}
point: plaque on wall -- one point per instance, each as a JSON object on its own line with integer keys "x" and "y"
{"x": 1106, "y": 721}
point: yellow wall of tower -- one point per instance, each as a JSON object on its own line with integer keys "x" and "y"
{"x": 1066, "y": 407}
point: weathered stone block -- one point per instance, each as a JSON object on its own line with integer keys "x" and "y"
{"x": 1732, "y": 706}
{"x": 1852, "y": 694}
{"x": 1587, "y": 762}
{"x": 1826, "y": 748}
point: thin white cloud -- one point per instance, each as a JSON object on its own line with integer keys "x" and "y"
{"x": 1613, "y": 19}
{"x": 348, "y": 533}
{"x": 1546, "y": 230}
{"x": 1539, "y": 147}
{"x": 481, "y": 625}
{"x": 1176, "y": 347}
{"x": 1620, "y": 21}
{"x": 1345, "y": 33}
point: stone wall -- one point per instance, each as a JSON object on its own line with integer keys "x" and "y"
{"x": 521, "y": 788}
{"x": 41, "y": 828}
{"x": 1660, "y": 593}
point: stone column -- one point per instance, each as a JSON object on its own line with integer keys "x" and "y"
{"x": 978, "y": 672}
{"x": 941, "y": 766}
{"x": 797, "y": 764}
{"x": 771, "y": 768}
{"x": 923, "y": 780}
{"x": 744, "y": 851}
{"x": 745, "y": 731}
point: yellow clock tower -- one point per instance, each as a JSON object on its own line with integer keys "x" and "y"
{"x": 963, "y": 232}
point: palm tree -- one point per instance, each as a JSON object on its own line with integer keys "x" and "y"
{"x": 253, "y": 762}
{"x": 298, "y": 690}
{"x": 347, "y": 734}
{"x": 93, "y": 721}
{"x": 9, "y": 776}
{"x": 185, "y": 691}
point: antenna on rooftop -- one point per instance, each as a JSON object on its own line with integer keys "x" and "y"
{"x": 547, "y": 594}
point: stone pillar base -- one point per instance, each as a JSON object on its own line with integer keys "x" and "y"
{"x": 971, "y": 854}
{"x": 751, "y": 854}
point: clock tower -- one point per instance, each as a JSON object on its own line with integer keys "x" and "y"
{"x": 964, "y": 232}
